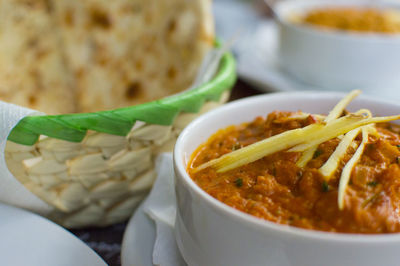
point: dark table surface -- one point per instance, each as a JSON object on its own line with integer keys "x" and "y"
{"x": 107, "y": 241}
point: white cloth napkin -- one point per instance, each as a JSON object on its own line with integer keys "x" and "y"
{"x": 11, "y": 190}
{"x": 160, "y": 206}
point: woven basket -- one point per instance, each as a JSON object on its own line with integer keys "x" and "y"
{"x": 95, "y": 168}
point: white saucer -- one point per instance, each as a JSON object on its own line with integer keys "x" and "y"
{"x": 257, "y": 60}
{"x": 29, "y": 239}
{"x": 138, "y": 241}
{"x": 256, "y": 50}
{"x": 258, "y": 65}
{"x": 255, "y": 45}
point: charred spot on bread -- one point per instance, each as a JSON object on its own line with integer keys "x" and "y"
{"x": 133, "y": 90}
{"x": 99, "y": 18}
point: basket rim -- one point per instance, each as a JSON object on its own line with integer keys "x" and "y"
{"x": 73, "y": 127}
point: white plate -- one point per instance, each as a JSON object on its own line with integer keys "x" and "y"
{"x": 29, "y": 239}
{"x": 138, "y": 241}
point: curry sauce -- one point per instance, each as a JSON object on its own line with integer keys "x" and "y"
{"x": 371, "y": 20}
{"x": 274, "y": 188}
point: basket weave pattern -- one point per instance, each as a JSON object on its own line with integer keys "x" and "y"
{"x": 100, "y": 180}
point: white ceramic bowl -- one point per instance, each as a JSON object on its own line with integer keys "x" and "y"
{"x": 211, "y": 233}
{"x": 337, "y": 59}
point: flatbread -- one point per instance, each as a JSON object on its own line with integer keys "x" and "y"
{"x": 32, "y": 72}
{"x": 125, "y": 52}
{"x": 63, "y": 56}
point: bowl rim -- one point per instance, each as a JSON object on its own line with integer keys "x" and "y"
{"x": 257, "y": 223}
{"x": 374, "y": 37}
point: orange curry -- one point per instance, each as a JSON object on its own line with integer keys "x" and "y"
{"x": 274, "y": 188}
{"x": 355, "y": 19}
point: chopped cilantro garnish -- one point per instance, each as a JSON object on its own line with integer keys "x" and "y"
{"x": 370, "y": 146}
{"x": 239, "y": 182}
{"x": 397, "y": 159}
{"x": 372, "y": 183}
{"x": 325, "y": 186}
{"x": 274, "y": 171}
{"x": 317, "y": 153}
{"x": 236, "y": 146}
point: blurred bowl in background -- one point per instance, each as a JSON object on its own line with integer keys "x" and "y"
{"x": 333, "y": 59}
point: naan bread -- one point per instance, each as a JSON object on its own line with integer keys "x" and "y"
{"x": 62, "y": 56}
{"x": 32, "y": 72}
{"x": 125, "y": 52}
